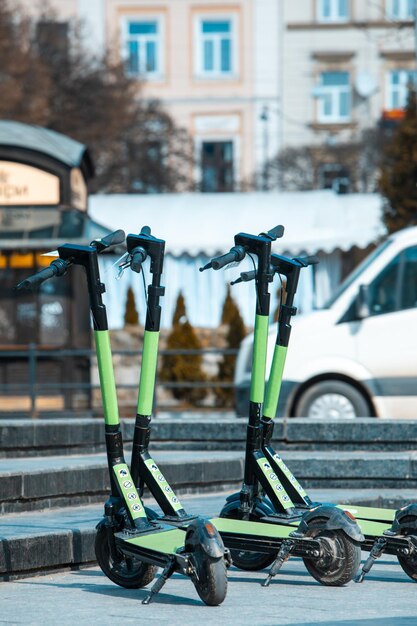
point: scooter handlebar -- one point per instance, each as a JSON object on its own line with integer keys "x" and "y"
{"x": 275, "y": 233}
{"x": 139, "y": 255}
{"x": 235, "y": 255}
{"x": 305, "y": 261}
{"x": 57, "y": 268}
{"x": 118, "y": 236}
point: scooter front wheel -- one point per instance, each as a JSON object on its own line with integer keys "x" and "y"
{"x": 339, "y": 560}
{"x": 125, "y": 571}
{"x": 211, "y": 584}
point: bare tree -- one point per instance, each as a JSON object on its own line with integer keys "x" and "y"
{"x": 354, "y": 165}
{"x": 48, "y": 77}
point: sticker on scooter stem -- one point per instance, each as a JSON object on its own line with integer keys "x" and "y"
{"x": 162, "y": 483}
{"x": 128, "y": 491}
{"x": 275, "y": 483}
{"x": 285, "y": 470}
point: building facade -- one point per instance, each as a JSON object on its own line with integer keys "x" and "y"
{"x": 213, "y": 64}
{"x": 346, "y": 66}
{"x": 247, "y": 78}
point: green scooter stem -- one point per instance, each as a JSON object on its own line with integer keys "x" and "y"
{"x": 144, "y": 469}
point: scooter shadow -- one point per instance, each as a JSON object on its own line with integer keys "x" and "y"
{"x": 118, "y": 592}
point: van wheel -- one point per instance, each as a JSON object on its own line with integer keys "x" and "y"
{"x": 332, "y": 399}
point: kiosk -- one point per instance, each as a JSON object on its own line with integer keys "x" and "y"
{"x": 43, "y": 202}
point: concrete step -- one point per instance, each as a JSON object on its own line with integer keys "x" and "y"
{"x": 47, "y": 482}
{"x": 218, "y": 431}
{"x": 36, "y": 542}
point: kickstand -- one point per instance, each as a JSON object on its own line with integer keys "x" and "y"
{"x": 283, "y": 554}
{"x": 376, "y": 551}
{"x": 160, "y": 582}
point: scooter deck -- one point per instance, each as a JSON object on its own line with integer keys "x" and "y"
{"x": 281, "y": 530}
{"x": 167, "y": 540}
{"x": 370, "y": 513}
{"x": 261, "y": 537}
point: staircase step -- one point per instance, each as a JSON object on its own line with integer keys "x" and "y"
{"x": 218, "y": 431}
{"x": 47, "y": 482}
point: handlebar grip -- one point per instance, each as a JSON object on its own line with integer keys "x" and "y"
{"x": 145, "y": 230}
{"x": 236, "y": 254}
{"x": 307, "y": 260}
{"x": 275, "y": 233}
{"x": 138, "y": 257}
{"x": 38, "y": 278}
{"x": 245, "y": 277}
{"x": 118, "y": 236}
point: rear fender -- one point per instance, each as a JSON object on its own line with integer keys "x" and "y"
{"x": 202, "y": 535}
{"x": 405, "y": 521}
{"x": 329, "y": 517}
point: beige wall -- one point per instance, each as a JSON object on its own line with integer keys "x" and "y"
{"x": 190, "y": 99}
{"x": 220, "y": 109}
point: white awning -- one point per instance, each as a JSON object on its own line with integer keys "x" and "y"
{"x": 199, "y": 223}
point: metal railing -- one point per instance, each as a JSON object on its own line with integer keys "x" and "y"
{"x": 30, "y": 392}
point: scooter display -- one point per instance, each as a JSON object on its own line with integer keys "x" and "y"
{"x": 130, "y": 543}
{"x": 328, "y": 537}
{"x": 385, "y": 530}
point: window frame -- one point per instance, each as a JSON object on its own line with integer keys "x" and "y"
{"x": 334, "y": 92}
{"x": 216, "y": 74}
{"x": 334, "y": 17}
{"x": 159, "y": 73}
{"x": 402, "y": 13}
{"x": 401, "y": 88}
{"x": 215, "y": 138}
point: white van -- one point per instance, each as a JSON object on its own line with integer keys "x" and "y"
{"x": 357, "y": 356}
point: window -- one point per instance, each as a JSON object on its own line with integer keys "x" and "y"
{"x": 334, "y": 176}
{"x": 408, "y": 294}
{"x": 332, "y": 10}
{"x": 398, "y": 81}
{"x": 395, "y": 288}
{"x": 217, "y": 166}
{"x": 334, "y": 97}
{"x": 401, "y": 9}
{"x": 215, "y": 48}
{"x": 143, "y": 45}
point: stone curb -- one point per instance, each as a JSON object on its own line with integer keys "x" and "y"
{"x": 27, "y": 437}
{"x": 62, "y": 481}
{"x": 85, "y": 480}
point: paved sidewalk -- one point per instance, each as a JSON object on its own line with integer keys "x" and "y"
{"x": 86, "y": 597}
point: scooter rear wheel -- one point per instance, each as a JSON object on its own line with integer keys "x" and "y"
{"x": 409, "y": 565}
{"x": 242, "y": 559}
{"x": 127, "y": 572}
{"x": 251, "y": 561}
{"x": 340, "y": 559}
{"x": 211, "y": 585}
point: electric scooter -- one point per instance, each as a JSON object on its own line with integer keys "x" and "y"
{"x": 385, "y": 530}
{"x": 130, "y": 543}
{"x": 329, "y": 537}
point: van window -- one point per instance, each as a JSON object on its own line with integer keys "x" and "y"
{"x": 383, "y": 295}
{"x": 409, "y": 279}
{"x": 396, "y": 286}
{"x": 356, "y": 273}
